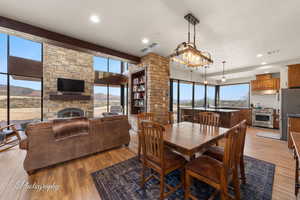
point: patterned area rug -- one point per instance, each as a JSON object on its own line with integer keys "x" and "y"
{"x": 121, "y": 181}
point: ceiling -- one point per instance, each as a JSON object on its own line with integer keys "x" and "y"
{"x": 231, "y": 30}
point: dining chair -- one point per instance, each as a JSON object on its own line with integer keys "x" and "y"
{"x": 209, "y": 118}
{"x": 140, "y": 117}
{"x": 9, "y": 137}
{"x": 217, "y": 152}
{"x": 171, "y": 117}
{"x": 159, "y": 158}
{"x": 214, "y": 172}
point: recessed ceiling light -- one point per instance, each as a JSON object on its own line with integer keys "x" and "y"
{"x": 259, "y": 55}
{"x": 266, "y": 72}
{"x": 263, "y": 63}
{"x": 145, "y": 40}
{"x": 94, "y": 18}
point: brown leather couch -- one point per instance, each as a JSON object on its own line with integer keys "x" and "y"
{"x": 45, "y": 148}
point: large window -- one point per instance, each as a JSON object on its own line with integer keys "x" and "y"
{"x": 114, "y": 96}
{"x": 3, "y": 53}
{"x": 186, "y": 94}
{"x": 210, "y": 96}
{"x": 234, "y": 96}
{"x": 114, "y": 66}
{"x": 199, "y": 95}
{"x": 107, "y": 65}
{"x": 100, "y": 64}
{"x": 24, "y": 100}
{"x": 20, "y": 96}
{"x": 100, "y": 100}
{"x": 23, "y": 48}
{"x": 3, "y": 100}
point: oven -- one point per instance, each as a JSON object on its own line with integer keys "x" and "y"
{"x": 263, "y": 118}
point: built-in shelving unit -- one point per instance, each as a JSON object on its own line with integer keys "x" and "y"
{"x": 138, "y": 92}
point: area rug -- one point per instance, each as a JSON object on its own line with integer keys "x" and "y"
{"x": 122, "y": 181}
{"x": 271, "y": 135}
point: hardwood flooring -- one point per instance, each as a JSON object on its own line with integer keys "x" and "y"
{"x": 76, "y": 183}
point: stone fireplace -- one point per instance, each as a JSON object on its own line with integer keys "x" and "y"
{"x": 60, "y": 62}
{"x": 70, "y": 112}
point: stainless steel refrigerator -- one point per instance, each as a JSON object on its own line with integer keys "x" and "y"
{"x": 290, "y": 104}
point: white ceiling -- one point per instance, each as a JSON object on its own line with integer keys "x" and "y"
{"x": 232, "y": 30}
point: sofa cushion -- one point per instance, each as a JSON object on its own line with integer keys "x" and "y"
{"x": 65, "y": 128}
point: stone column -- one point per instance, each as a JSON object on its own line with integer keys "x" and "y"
{"x": 158, "y": 79}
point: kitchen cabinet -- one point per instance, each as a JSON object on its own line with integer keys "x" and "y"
{"x": 276, "y": 120}
{"x": 268, "y": 84}
{"x": 294, "y": 76}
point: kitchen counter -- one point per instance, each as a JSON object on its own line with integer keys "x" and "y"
{"x": 228, "y": 117}
{"x": 215, "y": 109}
{"x": 294, "y": 115}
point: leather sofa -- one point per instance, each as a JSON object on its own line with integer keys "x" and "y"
{"x": 45, "y": 148}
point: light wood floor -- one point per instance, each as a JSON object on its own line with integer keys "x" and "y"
{"x": 75, "y": 181}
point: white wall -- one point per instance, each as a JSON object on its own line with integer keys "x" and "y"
{"x": 269, "y": 101}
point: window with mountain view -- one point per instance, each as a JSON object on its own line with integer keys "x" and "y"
{"x": 100, "y": 100}
{"x": 199, "y": 95}
{"x": 114, "y": 96}
{"x": 24, "y": 100}
{"x": 186, "y": 94}
{"x": 3, "y": 100}
{"x": 234, "y": 96}
{"x": 210, "y": 96}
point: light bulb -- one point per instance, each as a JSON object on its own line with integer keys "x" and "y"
{"x": 205, "y": 82}
{"x": 223, "y": 79}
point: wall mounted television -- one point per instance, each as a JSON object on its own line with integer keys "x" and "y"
{"x": 70, "y": 85}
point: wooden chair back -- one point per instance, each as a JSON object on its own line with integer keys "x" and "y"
{"x": 231, "y": 147}
{"x": 144, "y": 116}
{"x": 241, "y": 139}
{"x": 209, "y": 118}
{"x": 171, "y": 118}
{"x": 152, "y": 142}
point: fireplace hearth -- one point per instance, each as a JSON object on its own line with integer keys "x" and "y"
{"x": 70, "y": 112}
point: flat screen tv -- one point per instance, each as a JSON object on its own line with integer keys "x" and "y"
{"x": 70, "y": 85}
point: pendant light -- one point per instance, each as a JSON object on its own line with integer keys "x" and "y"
{"x": 223, "y": 77}
{"x": 187, "y": 53}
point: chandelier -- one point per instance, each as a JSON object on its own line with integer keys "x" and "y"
{"x": 187, "y": 53}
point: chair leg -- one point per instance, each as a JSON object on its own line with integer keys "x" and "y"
{"x": 139, "y": 148}
{"x": 143, "y": 176}
{"x": 224, "y": 190}
{"x": 242, "y": 170}
{"x": 183, "y": 178}
{"x": 187, "y": 186}
{"x": 162, "y": 186}
{"x": 236, "y": 184}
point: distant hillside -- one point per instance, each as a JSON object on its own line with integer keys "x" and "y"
{"x": 19, "y": 91}
{"x": 23, "y": 91}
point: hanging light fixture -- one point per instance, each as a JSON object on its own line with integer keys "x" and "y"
{"x": 223, "y": 77}
{"x": 187, "y": 53}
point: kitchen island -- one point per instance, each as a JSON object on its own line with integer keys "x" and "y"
{"x": 228, "y": 117}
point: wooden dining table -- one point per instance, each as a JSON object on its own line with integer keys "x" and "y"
{"x": 190, "y": 138}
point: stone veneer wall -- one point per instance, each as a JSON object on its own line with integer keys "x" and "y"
{"x": 60, "y": 62}
{"x": 158, "y": 79}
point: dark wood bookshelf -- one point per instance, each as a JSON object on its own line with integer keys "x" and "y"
{"x": 138, "y": 92}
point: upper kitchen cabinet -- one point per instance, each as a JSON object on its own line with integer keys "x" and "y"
{"x": 294, "y": 76}
{"x": 265, "y": 82}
